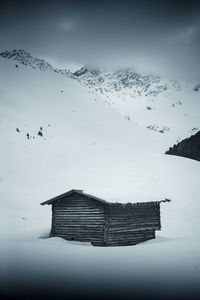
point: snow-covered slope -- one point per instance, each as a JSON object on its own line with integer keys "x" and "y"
{"x": 87, "y": 144}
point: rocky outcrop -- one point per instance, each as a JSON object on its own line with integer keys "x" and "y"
{"x": 189, "y": 147}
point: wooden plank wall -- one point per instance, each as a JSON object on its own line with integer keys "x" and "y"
{"x": 78, "y": 218}
{"x": 132, "y": 223}
{"x": 84, "y": 219}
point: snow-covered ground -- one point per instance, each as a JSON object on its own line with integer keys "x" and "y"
{"x": 89, "y": 145}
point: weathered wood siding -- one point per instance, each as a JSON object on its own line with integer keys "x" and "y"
{"x": 132, "y": 223}
{"x": 81, "y": 218}
{"x": 78, "y": 218}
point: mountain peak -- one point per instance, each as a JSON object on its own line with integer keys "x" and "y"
{"x": 94, "y": 71}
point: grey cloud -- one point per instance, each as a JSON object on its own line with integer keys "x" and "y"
{"x": 162, "y": 35}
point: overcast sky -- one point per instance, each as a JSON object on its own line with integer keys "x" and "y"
{"x": 162, "y": 36}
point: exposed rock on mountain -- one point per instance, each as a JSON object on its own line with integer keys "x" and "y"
{"x": 105, "y": 82}
{"x": 189, "y": 147}
{"x": 197, "y": 87}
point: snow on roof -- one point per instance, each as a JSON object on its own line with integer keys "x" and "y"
{"x": 96, "y": 198}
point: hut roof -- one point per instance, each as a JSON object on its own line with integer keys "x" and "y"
{"x": 70, "y": 192}
{"x": 52, "y": 200}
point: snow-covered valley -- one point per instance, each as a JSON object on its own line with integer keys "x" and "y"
{"x": 88, "y": 142}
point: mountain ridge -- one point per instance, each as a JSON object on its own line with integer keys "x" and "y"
{"x": 88, "y": 75}
{"x": 100, "y": 80}
{"x": 25, "y": 58}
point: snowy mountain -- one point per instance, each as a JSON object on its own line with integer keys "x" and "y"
{"x": 58, "y": 134}
{"x": 160, "y": 104}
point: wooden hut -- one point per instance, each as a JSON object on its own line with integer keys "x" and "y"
{"x": 82, "y": 217}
